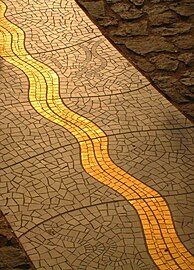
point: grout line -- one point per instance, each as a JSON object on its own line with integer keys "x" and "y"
{"x": 70, "y": 211}
{"x": 102, "y": 203}
{"x": 63, "y": 48}
{"x": 107, "y": 135}
{"x": 83, "y": 97}
{"x": 40, "y": 9}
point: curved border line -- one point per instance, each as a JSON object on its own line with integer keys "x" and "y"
{"x": 163, "y": 244}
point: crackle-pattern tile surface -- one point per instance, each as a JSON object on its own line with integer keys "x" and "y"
{"x": 96, "y": 166}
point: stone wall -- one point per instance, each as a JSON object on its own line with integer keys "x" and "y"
{"x": 158, "y": 37}
{"x": 12, "y": 255}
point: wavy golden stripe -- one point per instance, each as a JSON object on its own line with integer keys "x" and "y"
{"x": 163, "y": 244}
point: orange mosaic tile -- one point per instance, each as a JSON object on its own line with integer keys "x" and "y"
{"x": 163, "y": 243}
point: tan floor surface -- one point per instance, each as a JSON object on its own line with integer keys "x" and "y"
{"x": 96, "y": 166}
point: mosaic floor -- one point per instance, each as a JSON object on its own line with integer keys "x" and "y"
{"x": 96, "y": 166}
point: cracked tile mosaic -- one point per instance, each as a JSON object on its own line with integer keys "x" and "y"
{"x": 14, "y": 85}
{"x": 52, "y": 29}
{"x": 48, "y": 183}
{"x": 85, "y": 70}
{"x": 93, "y": 238}
{"x": 162, "y": 159}
{"x": 182, "y": 209}
{"x": 26, "y": 134}
{"x": 96, "y": 166}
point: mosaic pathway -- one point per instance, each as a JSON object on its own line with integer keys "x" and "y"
{"x": 96, "y": 166}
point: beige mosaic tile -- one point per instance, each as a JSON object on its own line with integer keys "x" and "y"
{"x": 96, "y": 166}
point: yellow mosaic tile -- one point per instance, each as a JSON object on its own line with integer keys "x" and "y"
{"x": 163, "y": 244}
